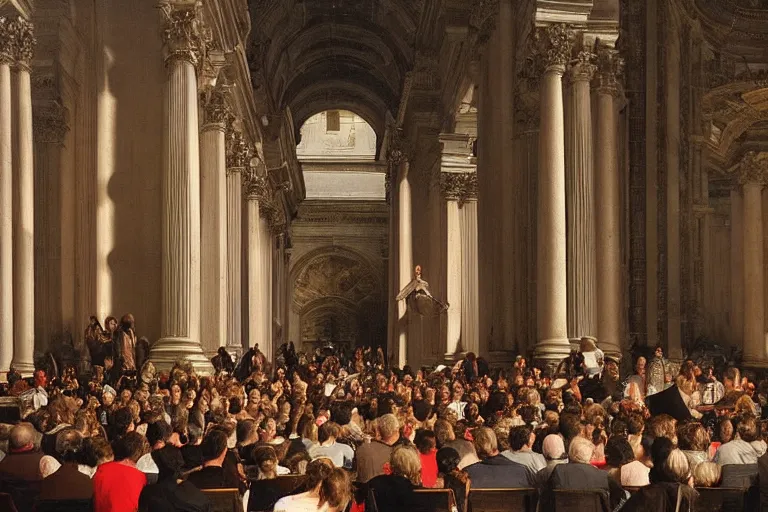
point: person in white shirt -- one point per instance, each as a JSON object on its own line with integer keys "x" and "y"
{"x": 328, "y": 490}
{"x": 741, "y": 449}
{"x": 340, "y": 454}
{"x": 456, "y": 404}
{"x": 521, "y": 441}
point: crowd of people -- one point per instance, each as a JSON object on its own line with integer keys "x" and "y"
{"x": 131, "y": 438}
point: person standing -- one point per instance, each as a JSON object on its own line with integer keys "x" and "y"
{"x": 125, "y": 344}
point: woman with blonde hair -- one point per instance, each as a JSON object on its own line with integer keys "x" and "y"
{"x": 393, "y": 492}
{"x": 707, "y": 474}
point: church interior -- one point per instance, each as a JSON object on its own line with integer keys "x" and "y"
{"x": 241, "y": 173}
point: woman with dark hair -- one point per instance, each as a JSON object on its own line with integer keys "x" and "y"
{"x": 452, "y": 477}
{"x": 170, "y": 493}
{"x": 311, "y": 501}
{"x": 621, "y": 463}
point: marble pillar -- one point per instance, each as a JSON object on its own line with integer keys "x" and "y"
{"x": 234, "y": 257}
{"x": 610, "y": 295}
{"x": 470, "y": 310}
{"x": 580, "y": 204}
{"x": 24, "y": 203}
{"x": 453, "y": 264}
{"x": 213, "y": 223}
{"x": 752, "y": 176}
{"x": 184, "y": 41}
{"x": 6, "y": 198}
{"x": 737, "y": 267}
{"x": 265, "y": 292}
{"x": 257, "y": 303}
{"x": 551, "y": 285}
{"x": 405, "y": 257}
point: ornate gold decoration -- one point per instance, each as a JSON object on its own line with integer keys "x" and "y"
{"x": 554, "y": 44}
{"x": 238, "y": 150}
{"x": 753, "y": 168}
{"x": 583, "y": 68}
{"x": 610, "y": 68}
{"x": 184, "y": 34}
{"x": 460, "y": 186}
{"x": 50, "y": 123}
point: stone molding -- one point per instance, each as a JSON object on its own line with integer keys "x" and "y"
{"x": 17, "y": 41}
{"x": 554, "y": 43}
{"x": 50, "y": 123}
{"x": 610, "y": 68}
{"x": 184, "y": 34}
{"x": 753, "y": 169}
{"x": 459, "y": 186}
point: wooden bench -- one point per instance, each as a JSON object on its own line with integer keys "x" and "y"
{"x": 503, "y": 500}
{"x": 224, "y": 500}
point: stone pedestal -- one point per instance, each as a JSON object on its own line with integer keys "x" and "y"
{"x": 180, "y": 315}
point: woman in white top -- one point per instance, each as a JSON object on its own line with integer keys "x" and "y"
{"x": 330, "y": 490}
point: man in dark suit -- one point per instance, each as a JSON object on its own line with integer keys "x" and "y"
{"x": 495, "y": 471}
{"x": 20, "y": 469}
{"x": 212, "y": 474}
{"x": 67, "y": 483}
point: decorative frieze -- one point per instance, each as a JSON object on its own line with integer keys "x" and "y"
{"x": 50, "y": 123}
{"x": 554, "y": 44}
{"x": 459, "y": 186}
{"x": 753, "y": 169}
{"x": 184, "y": 33}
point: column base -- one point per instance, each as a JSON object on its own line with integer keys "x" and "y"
{"x": 24, "y": 368}
{"x": 554, "y": 349}
{"x": 450, "y": 358}
{"x": 575, "y": 343}
{"x": 168, "y": 351}
{"x": 753, "y": 363}
{"x": 237, "y": 350}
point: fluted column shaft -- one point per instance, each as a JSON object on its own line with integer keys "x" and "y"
{"x": 752, "y": 176}
{"x": 255, "y": 285}
{"x": 470, "y": 307}
{"x": 551, "y": 284}
{"x": 23, "y": 233}
{"x": 608, "y": 195}
{"x": 454, "y": 282}
{"x": 214, "y": 260}
{"x": 180, "y": 312}
{"x": 405, "y": 256}
{"x": 6, "y": 210}
{"x": 265, "y": 292}
{"x": 234, "y": 257}
{"x": 580, "y": 206}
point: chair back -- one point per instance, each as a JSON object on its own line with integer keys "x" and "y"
{"x": 265, "y": 493}
{"x": 435, "y": 500}
{"x": 588, "y": 500}
{"x": 502, "y": 500}
{"x": 63, "y": 506}
{"x": 6, "y": 502}
{"x": 721, "y": 499}
{"x": 224, "y": 500}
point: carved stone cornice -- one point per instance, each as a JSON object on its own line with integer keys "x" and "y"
{"x": 553, "y": 45}
{"x": 184, "y": 33}
{"x": 50, "y": 123}
{"x": 238, "y": 151}
{"x": 17, "y": 41}
{"x": 459, "y": 186}
{"x": 610, "y": 67}
{"x": 217, "y": 111}
{"x": 583, "y": 68}
{"x": 753, "y": 169}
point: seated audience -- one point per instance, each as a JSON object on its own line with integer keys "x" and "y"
{"x": 68, "y": 482}
{"x": 171, "y": 493}
{"x": 694, "y": 442}
{"x": 213, "y": 475}
{"x": 495, "y": 471}
{"x": 117, "y": 485}
{"x": 329, "y": 490}
{"x": 371, "y": 457}
{"x": 452, "y": 476}
{"x": 740, "y": 450}
{"x": 621, "y": 463}
{"x": 521, "y": 441}
{"x": 327, "y": 447}
{"x": 425, "y": 442}
{"x": 706, "y": 474}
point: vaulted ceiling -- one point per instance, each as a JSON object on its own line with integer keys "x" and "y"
{"x": 313, "y": 55}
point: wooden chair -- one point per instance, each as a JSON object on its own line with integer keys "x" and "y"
{"x": 63, "y": 506}
{"x": 6, "y": 502}
{"x": 224, "y": 500}
{"x": 503, "y": 500}
{"x": 435, "y": 500}
{"x": 590, "y": 500}
{"x": 721, "y": 499}
{"x": 265, "y": 493}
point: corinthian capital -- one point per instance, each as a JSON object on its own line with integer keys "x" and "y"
{"x": 583, "y": 68}
{"x": 554, "y": 44}
{"x": 216, "y": 108}
{"x": 753, "y": 169}
{"x": 238, "y": 151}
{"x": 459, "y": 186}
{"x": 17, "y": 41}
{"x": 185, "y": 35}
{"x": 6, "y": 41}
{"x": 610, "y": 67}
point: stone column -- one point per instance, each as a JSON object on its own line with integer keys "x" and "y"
{"x": 184, "y": 40}
{"x": 450, "y": 188}
{"x": 470, "y": 310}
{"x": 235, "y": 247}
{"x": 551, "y": 293}
{"x": 737, "y": 267}
{"x": 24, "y": 202}
{"x": 6, "y": 198}
{"x": 256, "y": 188}
{"x": 608, "y": 193}
{"x": 580, "y": 204}
{"x": 752, "y": 177}
{"x": 213, "y": 228}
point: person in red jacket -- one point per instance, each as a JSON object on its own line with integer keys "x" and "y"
{"x": 117, "y": 485}
{"x": 426, "y": 443}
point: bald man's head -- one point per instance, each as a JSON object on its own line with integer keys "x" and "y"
{"x": 22, "y": 436}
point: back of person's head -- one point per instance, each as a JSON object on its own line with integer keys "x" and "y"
{"x": 158, "y": 432}
{"x": 663, "y": 425}
{"x": 692, "y": 436}
{"x": 213, "y": 445}
{"x": 336, "y": 490}
{"x": 519, "y": 437}
{"x": 317, "y": 471}
{"x": 169, "y": 462}
{"x": 247, "y": 431}
{"x": 96, "y": 451}
{"x": 677, "y": 466}
{"x": 581, "y": 450}
{"x": 341, "y": 412}
{"x": 22, "y": 436}
{"x": 660, "y": 450}
{"x": 425, "y": 441}
{"x": 388, "y": 426}
{"x": 707, "y": 474}
{"x": 132, "y": 446}
{"x": 69, "y": 445}
{"x": 448, "y": 460}
{"x": 443, "y": 432}
{"x": 635, "y": 424}
{"x": 328, "y": 430}
{"x": 122, "y": 419}
{"x": 485, "y": 442}
{"x": 570, "y": 425}
{"x": 553, "y": 447}
{"x": 747, "y": 429}
{"x": 405, "y": 461}
{"x": 618, "y": 451}
{"x": 266, "y": 460}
